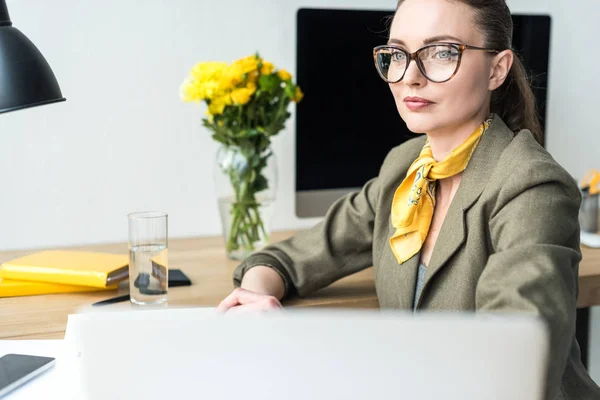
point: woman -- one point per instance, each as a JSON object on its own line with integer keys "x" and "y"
{"x": 474, "y": 215}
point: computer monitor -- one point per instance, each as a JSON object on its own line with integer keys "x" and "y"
{"x": 348, "y": 121}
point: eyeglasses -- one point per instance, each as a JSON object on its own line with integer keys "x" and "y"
{"x": 437, "y": 62}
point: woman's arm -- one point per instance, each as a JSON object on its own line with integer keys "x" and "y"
{"x": 264, "y": 280}
{"x": 338, "y": 246}
{"x": 534, "y": 268}
{"x": 342, "y": 243}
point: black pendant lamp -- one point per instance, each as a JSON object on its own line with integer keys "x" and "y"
{"x": 26, "y": 79}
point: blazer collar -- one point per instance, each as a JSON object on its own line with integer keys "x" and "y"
{"x": 474, "y": 180}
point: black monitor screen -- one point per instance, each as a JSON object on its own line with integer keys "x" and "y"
{"x": 348, "y": 121}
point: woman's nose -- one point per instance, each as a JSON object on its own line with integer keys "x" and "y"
{"x": 413, "y": 76}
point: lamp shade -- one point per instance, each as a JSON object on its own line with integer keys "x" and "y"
{"x": 26, "y": 79}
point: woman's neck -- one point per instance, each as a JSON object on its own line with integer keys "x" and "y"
{"x": 446, "y": 139}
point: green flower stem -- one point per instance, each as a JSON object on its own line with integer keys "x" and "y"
{"x": 246, "y": 223}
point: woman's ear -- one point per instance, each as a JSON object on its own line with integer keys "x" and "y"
{"x": 500, "y": 68}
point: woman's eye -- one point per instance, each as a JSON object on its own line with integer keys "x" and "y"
{"x": 398, "y": 56}
{"x": 444, "y": 55}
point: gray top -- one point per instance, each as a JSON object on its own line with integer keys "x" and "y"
{"x": 420, "y": 281}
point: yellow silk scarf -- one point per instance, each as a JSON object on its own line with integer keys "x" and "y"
{"x": 414, "y": 200}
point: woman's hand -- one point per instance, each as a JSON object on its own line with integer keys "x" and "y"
{"x": 242, "y": 301}
{"x": 261, "y": 289}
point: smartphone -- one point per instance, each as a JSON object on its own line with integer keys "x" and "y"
{"x": 16, "y": 369}
{"x": 176, "y": 278}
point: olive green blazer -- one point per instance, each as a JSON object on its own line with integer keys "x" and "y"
{"x": 509, "y": 243}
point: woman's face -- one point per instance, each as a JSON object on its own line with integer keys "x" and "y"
{"x": 463, "y": 98}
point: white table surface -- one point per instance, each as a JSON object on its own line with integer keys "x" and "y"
{"x": 64, "y": 380}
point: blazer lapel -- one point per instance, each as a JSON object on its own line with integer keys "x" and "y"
{"x": 400, "y": 281}
{"x": 407, "y": 282}
{"x": 481, "y": 165}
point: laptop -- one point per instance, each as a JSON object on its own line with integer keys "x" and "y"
{"x": 300, "y": 354}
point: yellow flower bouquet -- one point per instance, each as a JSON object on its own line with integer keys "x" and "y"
{"x": 247, "y": 104}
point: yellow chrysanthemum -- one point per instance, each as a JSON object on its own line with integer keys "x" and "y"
{"x": 222, "y": 85}
{"x": 218, "y": 104}
{"x": 190, "y": 91}
{"x": 241, "y": 96}
{"x": 216, "y": 108}
{"x": 203, "y": 82}
{"x": 246, "y": 65}
{"x": 231, "y": 77}
{"x": 267, "y": 68}
{"x": 208, "y": 71}
{"x": 212, "y": 90}
{"x": 253, "y": 77}
{"x": 299, "y": 95}
{"x": 284, "y": 75}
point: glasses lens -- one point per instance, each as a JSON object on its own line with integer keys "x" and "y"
{"x": 439, "y": 62}
{"x": 391, "y": 63}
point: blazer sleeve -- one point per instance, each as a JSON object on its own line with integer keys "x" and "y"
{"x": 534, "y": 268}
{"x": 338, "y": 246}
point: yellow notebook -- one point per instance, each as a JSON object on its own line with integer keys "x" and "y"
{"x": 9, "y": 288}
{"x": 68, "y": 268}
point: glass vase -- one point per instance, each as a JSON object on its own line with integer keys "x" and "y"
{"x": 245, "y": 183}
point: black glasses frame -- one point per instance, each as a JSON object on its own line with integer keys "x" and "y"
{"x": 415, "y": 56}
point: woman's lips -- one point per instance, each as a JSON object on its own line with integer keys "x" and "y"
{"x": 417, "y": 103}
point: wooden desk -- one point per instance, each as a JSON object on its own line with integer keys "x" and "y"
{"x": 204, "y": 261}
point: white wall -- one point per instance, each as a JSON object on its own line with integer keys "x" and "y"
{"x": 573, "y": 88}
{"x": 124, "y": 142}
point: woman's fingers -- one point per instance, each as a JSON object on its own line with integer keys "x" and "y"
{"x": 241, "y": 297}
{"x": 264, "y": 305}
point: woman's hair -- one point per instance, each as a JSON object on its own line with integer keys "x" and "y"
{"x": 514, "y": 101}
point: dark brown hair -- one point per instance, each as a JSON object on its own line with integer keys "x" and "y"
{"x": 514, "y": 101}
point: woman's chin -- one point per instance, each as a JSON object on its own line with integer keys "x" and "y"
{"x": 417, "y": 122}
